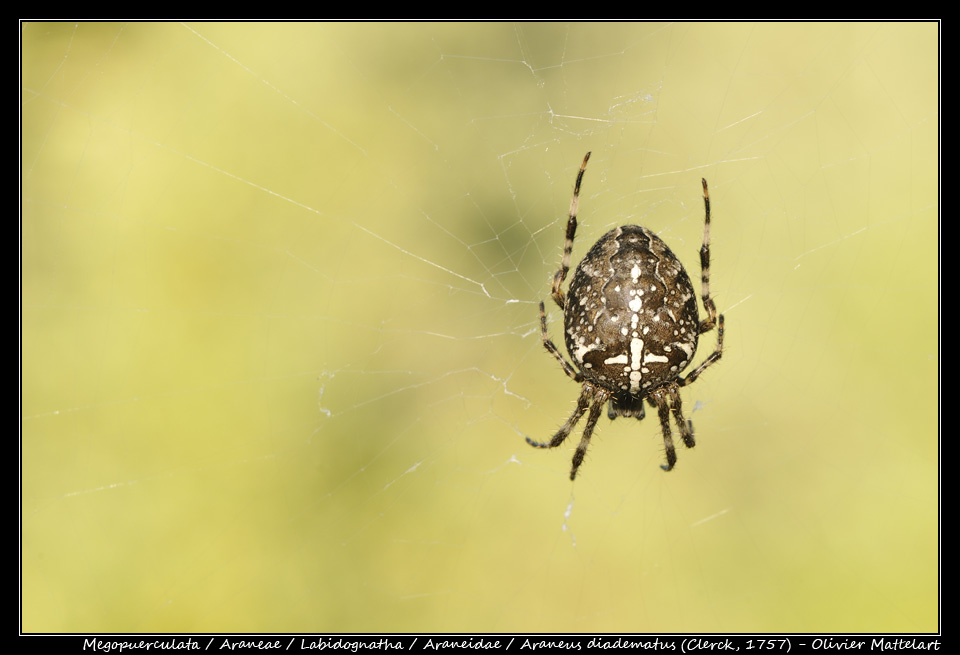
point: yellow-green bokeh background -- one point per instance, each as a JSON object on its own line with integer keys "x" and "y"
{"x": 280, "y": 339}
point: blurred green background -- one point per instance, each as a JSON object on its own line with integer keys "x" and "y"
{"x": 280, "y": 343}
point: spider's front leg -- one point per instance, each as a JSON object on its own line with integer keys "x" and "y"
{"x": 586, "y": 395}
{"x": 667, "y": 399}
{"x": 592, "y": 397}
{"x": 685, "y": 425}
{"x": 599, "y": 398}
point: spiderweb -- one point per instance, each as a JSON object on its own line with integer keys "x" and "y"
{"x": 280, "y": 342}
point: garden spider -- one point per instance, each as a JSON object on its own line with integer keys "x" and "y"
{"x": 631, "y": 326}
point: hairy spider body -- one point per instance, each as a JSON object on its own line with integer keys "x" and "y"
{"x": 631, "y": 326}
{"x": 631, "y": 319}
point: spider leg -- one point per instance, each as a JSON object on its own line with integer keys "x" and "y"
{"x": 586, "y": 395}
{"x": 600, "y": 397}
{"x": 561, "y": 274}
{"x": 660, "y": 400}
{"x": 709, "y": 361}
{"x": 568, "y": 368}
{"x": 710, "y": 321}
{"x": 685, "y": 425}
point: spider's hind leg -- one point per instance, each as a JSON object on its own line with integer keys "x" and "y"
{"x": 571, "y": 233}
{"x": 710, "y": 321}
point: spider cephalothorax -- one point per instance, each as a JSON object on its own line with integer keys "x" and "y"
{"x": 631, "y": 326}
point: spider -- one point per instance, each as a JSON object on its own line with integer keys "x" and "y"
{"x": 631, "y": 326}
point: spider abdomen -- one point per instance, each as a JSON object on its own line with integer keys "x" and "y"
{"x": 630, "y": 318}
